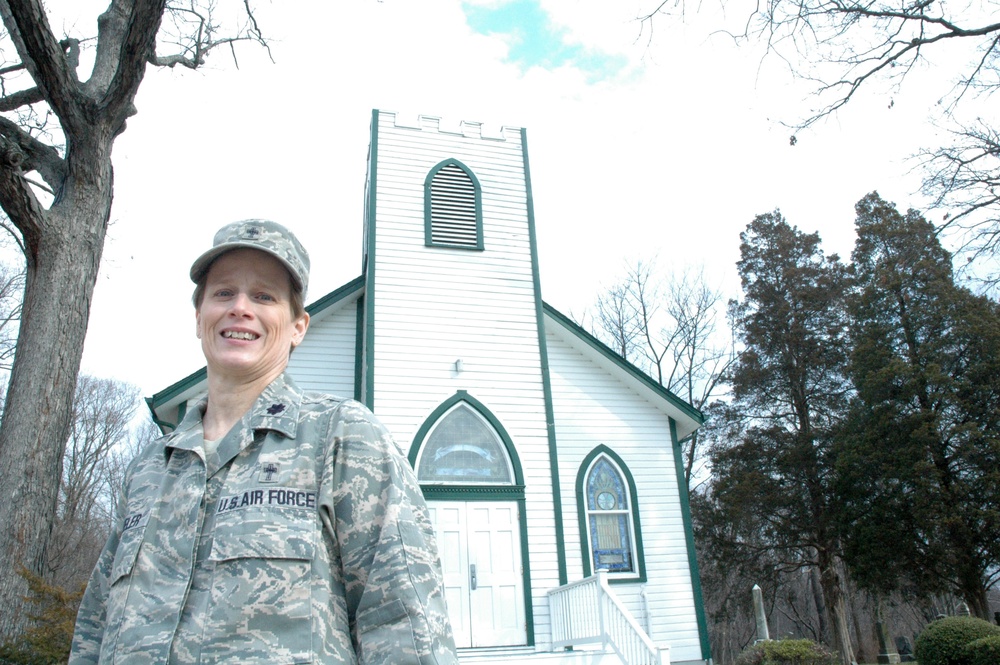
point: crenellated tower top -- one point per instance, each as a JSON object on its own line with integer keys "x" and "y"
{"x": 444, "y": 125}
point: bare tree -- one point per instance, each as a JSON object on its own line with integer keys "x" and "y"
{"x": 702, "y": 352}
{"x": 11, "y": 289}
{"x": 841, "y": 47}
{"x": 103, "y": 410}
{"x": 57, "y": 130}
{"x": 669, "y": 329}
{"x": 964, "y": 177}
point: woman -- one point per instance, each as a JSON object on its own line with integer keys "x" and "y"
{"x": 272, "y": 526}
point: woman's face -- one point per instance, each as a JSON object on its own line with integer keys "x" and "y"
{"x": 245, "y": 320}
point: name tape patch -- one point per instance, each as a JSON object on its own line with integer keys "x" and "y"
{"x": 273, "y": 496}
{"x": 134, "y": 520}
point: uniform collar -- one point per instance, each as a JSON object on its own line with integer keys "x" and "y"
{"x": 276, "y": 409}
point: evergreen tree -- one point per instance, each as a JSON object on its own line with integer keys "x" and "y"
{"x": 773, "y": 475}
{"x": 920, "y": 454}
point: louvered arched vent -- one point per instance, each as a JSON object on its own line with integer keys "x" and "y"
{"x": 452, "y": 206}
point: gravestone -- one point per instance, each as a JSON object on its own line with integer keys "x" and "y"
{"x": 886, "y": 649}
{"x": 759, "y": 615}
{"x": 905, "y": 650}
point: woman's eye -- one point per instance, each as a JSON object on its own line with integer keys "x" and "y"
{"x": 265, "y": 296}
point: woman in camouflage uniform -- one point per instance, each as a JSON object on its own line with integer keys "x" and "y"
{"x": 272, "y": 526}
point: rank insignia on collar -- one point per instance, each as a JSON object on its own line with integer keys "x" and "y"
{"x": 269, "y": 472}
{"x": 275, "y": 409}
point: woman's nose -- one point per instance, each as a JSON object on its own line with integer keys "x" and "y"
{"x": 240, "y": 305}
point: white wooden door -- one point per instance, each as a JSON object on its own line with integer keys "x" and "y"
{"x": 480, "y": 547}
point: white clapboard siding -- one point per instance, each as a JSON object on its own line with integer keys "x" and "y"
{"x": 592, "y": 408}
{"x": 436, "y": 305}
{"x": 326, "y": 358}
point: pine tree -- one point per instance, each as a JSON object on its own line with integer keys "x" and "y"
{"x": 773, "y": 476}
{"x": 920, "y": 455}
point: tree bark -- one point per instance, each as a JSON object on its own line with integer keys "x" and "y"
{"x": 63, "y": 246}
{"x": 61, "y": 273}
{"x": 833, "y": 592}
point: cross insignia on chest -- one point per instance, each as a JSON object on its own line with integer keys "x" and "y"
{"x": 269, "y": 472}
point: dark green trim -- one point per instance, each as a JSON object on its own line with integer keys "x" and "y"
{"x": 603, "y": 349}
{"x": 368, "y": 343}
{"x": 682, "y": 491}
{"x": 162, "y": 424}
{"x": 513, "y": 492}
{"x": 543, "y": 352}
{"x": 473, "y": 492}
{"x": 581, "y": 509}
{"x": 359, "y": 345}
{"x": 335, "y": 296}
{"x": 172, "y": 391}
{"x": 481, "y": 409}
{"x": 428, "y": 230}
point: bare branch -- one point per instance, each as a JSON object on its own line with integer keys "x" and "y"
{"x": 36, "y": 155}
{"x": 44, "y": 57}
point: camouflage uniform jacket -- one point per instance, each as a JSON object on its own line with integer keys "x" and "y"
{"x": 304, "y": 538}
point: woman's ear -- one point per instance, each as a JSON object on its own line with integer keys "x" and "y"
{"x": 301, "y": 325}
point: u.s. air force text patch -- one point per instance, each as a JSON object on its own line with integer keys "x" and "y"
{"x": 282, "y": 497}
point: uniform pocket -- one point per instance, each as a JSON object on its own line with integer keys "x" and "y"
{"x": 386, "y": 634}
{"x": 126, "y": 554}
{"x": 261, "y": 598}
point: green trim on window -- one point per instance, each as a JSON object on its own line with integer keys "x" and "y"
{"x": 481, "y": 409}
{"x": 368, "y": 343}
{"x": 543, "y": 352}
{"x": 473, "y": 492}
{"x": 682, "y": 490}
{"x": 513, "y": 492}
{"x": 478, "y": 207}
{"x": 581, "y": 508}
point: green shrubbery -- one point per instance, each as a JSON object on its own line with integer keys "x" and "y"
{"x": 787, "y": 652}
{"x": 944, "y": 642}
{"x": 47, "y": 642}
{"x": 984, "y": 651}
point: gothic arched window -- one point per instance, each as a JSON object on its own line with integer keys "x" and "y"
{"x": 464, "y": 448}
{"x": 609, "y": 518}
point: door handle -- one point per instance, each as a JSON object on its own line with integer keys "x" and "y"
{"x": 472, "y": 576}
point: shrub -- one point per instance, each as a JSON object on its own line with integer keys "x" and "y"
{"x": 47, "y": 641}
{"x": 943, "y": 641}
{"x": 984, "y": 651}
{"x": 787, "y": 652}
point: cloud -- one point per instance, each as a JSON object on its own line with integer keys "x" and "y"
{"x": 533, "y": 39}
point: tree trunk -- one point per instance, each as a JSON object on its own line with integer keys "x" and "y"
{"x": 62, "y": 266}
{"x": 816, "y": 587}
{"x": 833, "y": 591}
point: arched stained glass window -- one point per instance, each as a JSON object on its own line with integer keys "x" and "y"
{"x": 609, "y": 518}
{"x": 463, "y": 448}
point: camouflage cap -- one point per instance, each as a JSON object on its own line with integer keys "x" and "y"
{"x": 264, "y": 235}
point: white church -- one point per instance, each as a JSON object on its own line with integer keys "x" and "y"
{"x": 551, "y": 466}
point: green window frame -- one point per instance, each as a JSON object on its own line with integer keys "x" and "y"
{"x": 453, "y": 207}
{"x": 608, "y": 510}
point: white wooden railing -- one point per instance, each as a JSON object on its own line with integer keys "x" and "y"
{"x": 588, "y": 612}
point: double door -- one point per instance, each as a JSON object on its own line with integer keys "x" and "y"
{"x": 480, "y": 548}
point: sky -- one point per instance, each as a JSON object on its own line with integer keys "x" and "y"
{"x": 643, "y": 145}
